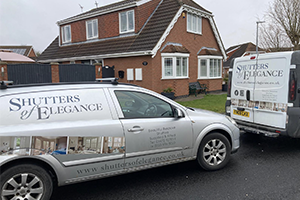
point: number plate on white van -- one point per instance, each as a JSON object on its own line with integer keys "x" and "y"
{"x": 241, "y": 113}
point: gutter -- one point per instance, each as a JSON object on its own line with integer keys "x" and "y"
{"x": 103, "y": 56}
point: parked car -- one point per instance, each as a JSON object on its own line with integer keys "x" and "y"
{"x": 72, "y": 132}
{"x": 263, "y": 96}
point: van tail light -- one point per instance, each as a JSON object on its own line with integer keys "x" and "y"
{"x": 293, "y": 84}
{"x": 229, "y": 84}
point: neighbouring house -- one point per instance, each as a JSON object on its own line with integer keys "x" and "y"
{"x": 154, "y": 44}
{"x": 10, "y": 57}
{"x": 239, "y": 51}
{"x": 24, "y": 50}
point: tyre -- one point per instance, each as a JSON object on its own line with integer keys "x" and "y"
{"x": 214, "y": 152}
{"x": 26, "y": 182}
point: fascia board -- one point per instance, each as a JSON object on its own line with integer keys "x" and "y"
{"x": 167, "y": 32}
{"x": 103, "y": 56}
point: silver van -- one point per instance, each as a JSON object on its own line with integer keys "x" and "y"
{"x": 57, "y": 134}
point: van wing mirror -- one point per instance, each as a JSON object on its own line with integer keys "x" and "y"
{"x": 178, "y": 113}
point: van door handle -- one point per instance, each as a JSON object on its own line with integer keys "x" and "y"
{"x": 248, "y": 95}
{"x": 135, "y": 129}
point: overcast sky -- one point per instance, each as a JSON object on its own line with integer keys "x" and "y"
{"x": 33, "y": 22}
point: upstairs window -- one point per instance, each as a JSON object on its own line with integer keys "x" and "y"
{"x": 194, "y": 23}
{"x": 66, "y": 34}
{"x": 209, "y": 67}
{"x": 92, "y": 29}
{"x": 126, "y": 21}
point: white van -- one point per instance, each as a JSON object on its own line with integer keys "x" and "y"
{"x": 58, "y": 134}
{"x": 263, "y": 93}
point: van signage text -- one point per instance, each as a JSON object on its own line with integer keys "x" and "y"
{"x": 44, "y": 107}
{"x": 256, "y": 70}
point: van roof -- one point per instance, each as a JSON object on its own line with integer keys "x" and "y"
{"x": 294, "y": 56}
{"x": 59, "y": 86}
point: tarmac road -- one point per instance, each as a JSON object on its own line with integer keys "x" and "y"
{"x": 264, "y": 168}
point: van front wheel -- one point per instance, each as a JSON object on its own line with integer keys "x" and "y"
{"x": 26, "y": 181}
{"x": 214, "y": 152}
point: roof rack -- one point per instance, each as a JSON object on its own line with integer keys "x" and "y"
{"x": 3, "y": 84}
{"x": 113, "y": 81}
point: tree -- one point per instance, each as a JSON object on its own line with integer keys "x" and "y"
{"x": 282, "y": 28}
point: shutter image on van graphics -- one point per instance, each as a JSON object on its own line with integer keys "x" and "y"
{"x": 63, "y": 133}
{"x": 264, "y": 93}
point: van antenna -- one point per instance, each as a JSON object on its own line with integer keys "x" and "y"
{"x": 81, "y": 7}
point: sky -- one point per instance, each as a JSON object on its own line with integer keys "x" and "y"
{"x": 34, "y": 22}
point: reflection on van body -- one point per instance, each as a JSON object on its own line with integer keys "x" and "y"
{"x": 38, "y": 145}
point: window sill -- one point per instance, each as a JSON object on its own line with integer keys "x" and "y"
{"x": 131, "y": 31}
{"x": 92, "y": 38}
{"x": 170, "y": 78}
{"x": 194, "y": 32}
{"x": 205, "y": 78}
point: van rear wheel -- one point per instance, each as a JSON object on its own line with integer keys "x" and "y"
{"x": 214, "y": 152}
{"x": 26, "y": 182}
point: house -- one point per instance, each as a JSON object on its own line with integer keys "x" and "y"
{"x": 239, "y": 51}
{"x": 154, "y": 43}
{"x": 24, "y": 50}
{"x": 10, "y": 57}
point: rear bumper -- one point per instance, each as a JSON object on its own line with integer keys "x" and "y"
{"x": 260, "y": 129}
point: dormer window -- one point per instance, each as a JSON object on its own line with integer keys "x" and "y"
{"x": 92, "y": 29}
{"x": 194, "y": 23}
{"x": 66, "y": 34}
{"x": 126, "y": 21}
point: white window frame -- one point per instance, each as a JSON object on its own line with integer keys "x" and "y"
{"x": 127, "y": 22}
{"x": 93, "y": 29}
{"x": 174, "y": 57}
{"x": 195, "y": 28}
{"x": 208, "y": 58}
{"x": 64, "y": 34}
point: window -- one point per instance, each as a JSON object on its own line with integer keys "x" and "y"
{"x": 141, "y": 105}
{"x": 138, "y": 74}
{"x": 194, "y": 23}
{"x": 129, "y": 74}
{"x": 209, "y": 67}
{"x": 175, "y": 66}
{"x": 126, "y": 21}
{"x": 66, "y": 34}
{"x": 92, "y": 29}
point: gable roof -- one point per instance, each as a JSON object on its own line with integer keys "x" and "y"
{"x": 22, "y": 50}
{"x": 239, "y": 51}
{"x": 146, "y": 42}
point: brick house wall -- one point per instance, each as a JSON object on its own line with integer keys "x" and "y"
{"x": 152, "y": 73}
{"x": 122, "y": 64}
{"x": 193, "y": 42}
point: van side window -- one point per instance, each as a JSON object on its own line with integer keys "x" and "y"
{"x": 141, "y": 105}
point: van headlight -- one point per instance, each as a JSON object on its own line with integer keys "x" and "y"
{"x": 232, "y": 121}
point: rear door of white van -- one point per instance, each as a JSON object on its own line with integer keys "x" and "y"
{"x": 242, "y": 86}
{"x": 271, "y": 91}
{"x": 260, "y": 89}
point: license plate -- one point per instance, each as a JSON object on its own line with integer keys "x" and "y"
{"x": 241, "y": 113}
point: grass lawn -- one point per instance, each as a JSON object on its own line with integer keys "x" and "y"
{"x": 211, "y": 102}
